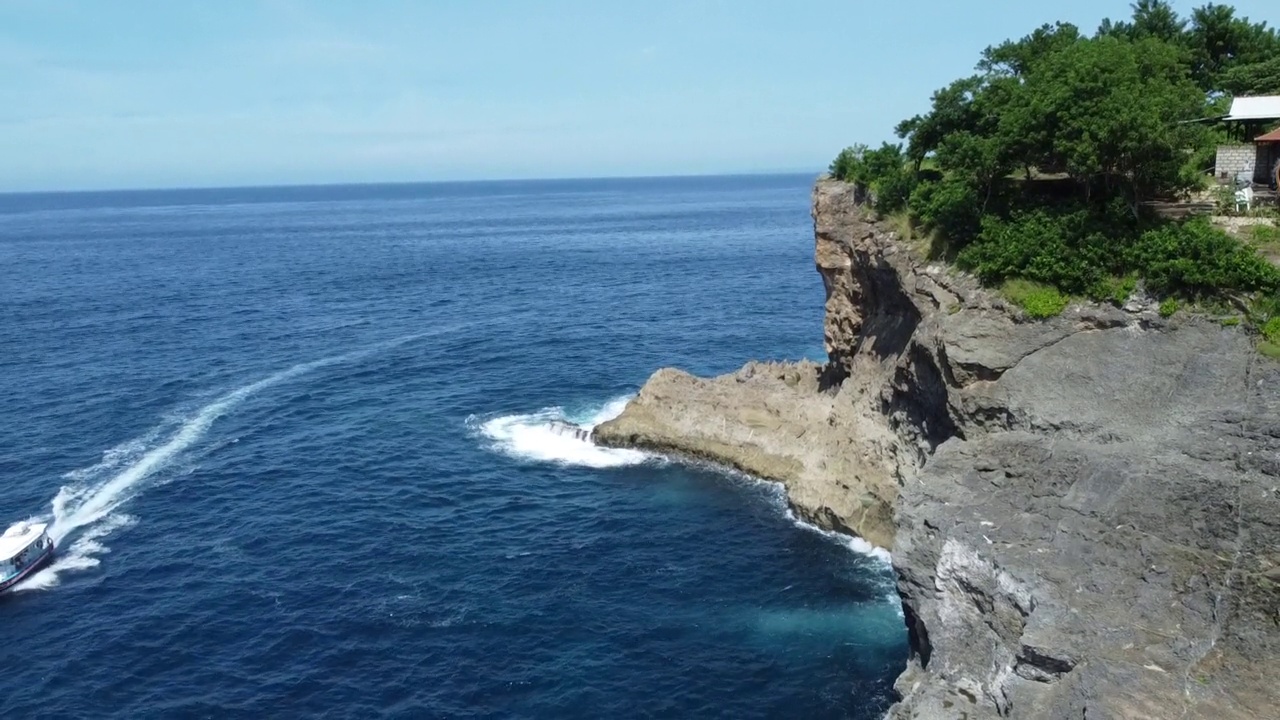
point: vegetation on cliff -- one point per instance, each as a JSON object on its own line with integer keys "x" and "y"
{"x": 1036, "y": 167}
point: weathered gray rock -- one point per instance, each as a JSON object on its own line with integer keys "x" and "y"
{"x": 1084, "y": 512}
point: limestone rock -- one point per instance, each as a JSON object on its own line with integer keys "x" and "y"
{"x": 1084, "y": 512}
{"x": 770, "y": 420}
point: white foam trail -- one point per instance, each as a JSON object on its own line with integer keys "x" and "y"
{"x": 82, "y": 555}
{"x": 78, "y": 505}
{"x": 529, "y": 436}
{"x": 92, "y": 495}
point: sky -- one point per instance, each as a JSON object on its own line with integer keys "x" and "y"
{"x": 201, "y": 93}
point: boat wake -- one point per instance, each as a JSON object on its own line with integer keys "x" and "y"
{"x": 539, "y": 436}
{"x": 86, "y": 508}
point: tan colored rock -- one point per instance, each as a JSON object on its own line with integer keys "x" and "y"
{"x": 770, "y": 420}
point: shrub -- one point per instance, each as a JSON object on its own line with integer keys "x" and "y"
{"x": 882, "y": 171}
{"x": 1036, "y": 299}
{"x": 1168, "y": 307}
{"x": 893, "y": 189}
{"x": 1048, "y": 246}
{"x": 950, "y": 207}
{"x": 1195, "y": 258}
{"x": 848, "y": 163}
{"x": 1224, "y": 200}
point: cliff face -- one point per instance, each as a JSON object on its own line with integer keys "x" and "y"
{"x": 1083, "y": 512}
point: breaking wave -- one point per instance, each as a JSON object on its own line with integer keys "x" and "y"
{"x": 529, "y": 436}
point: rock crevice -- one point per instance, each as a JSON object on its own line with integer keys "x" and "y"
{"x": 1083, "y": 512}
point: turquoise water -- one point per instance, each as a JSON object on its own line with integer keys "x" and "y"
{"x": 292, "y": 443}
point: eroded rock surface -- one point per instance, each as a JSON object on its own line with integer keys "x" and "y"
{"x": 1083, "y": 512}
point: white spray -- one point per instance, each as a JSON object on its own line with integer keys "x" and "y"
{"x": 92, "y": 495}
{"x": 529, "y": 436}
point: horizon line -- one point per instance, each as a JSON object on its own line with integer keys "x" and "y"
{"x": 375, "y": 183}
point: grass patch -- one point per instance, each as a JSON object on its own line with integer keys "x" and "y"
{"x": 901, "y": 223}
{"x": 1266, "y": 239}
{"x": 1232, "y": 321}
{"x": 1168, "y": 307}
{"x": 1217, "y": 306}
{"x": 1038, "y": 300}
{"x": 1115, "y": 289}
{"x": 1269, "y": 345}
{"x": 1265, "y": 235}
{"x": 1271, "y": 330}
{"x": 925, "y": 243}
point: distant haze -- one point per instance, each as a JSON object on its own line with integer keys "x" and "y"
{"x": 185, "y": 94}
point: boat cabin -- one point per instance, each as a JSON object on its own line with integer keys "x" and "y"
{"x": 21, "y": 546}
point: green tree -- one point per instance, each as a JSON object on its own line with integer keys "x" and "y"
{"x": 1113, "y": 105}
{"x": 1221, "y": 41}
{"x": 1157, "y": 19}
{"x": 848, "y": 163}
{"x": 1041, "y": 160}
{"x": 1017, "y": 57}
{"x": 952, "y": 112}
{"x": 1259, "y": 78}
{"x": 1151, "y": 18}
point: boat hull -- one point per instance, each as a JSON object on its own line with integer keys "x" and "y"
{"x": 32, "y": 568}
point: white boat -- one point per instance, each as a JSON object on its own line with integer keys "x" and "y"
{"x": 24, "y": 548}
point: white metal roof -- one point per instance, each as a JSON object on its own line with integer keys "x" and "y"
{"x": 1265, "y": 107}
{"x": 18, "y": 537}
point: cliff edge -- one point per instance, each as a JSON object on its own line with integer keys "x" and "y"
{"x": 1082, "y": 512}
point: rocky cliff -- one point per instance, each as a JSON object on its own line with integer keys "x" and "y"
{"x": 1083, "y": 512}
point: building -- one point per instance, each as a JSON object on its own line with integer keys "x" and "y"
{"x": 1267, "y": 148}
{"x": 1257, "y": 154}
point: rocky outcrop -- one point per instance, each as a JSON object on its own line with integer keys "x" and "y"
{"x": 1083, "y": 513}
{"x": 771, "y": 421}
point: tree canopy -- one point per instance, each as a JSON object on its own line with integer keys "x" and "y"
{"x": 1037, "y": 164}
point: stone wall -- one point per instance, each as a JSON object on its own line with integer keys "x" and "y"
{"x": 1235, "y": 159}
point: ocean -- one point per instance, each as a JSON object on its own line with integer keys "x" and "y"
{"x": 292, "y": 445}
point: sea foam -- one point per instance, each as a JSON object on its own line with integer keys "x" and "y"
{"x": 529, "y": 436}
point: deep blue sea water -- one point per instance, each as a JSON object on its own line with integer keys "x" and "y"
{"x": 291, "y": 444}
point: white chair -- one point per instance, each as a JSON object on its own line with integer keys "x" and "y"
{"x": 1244, "y": 197}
